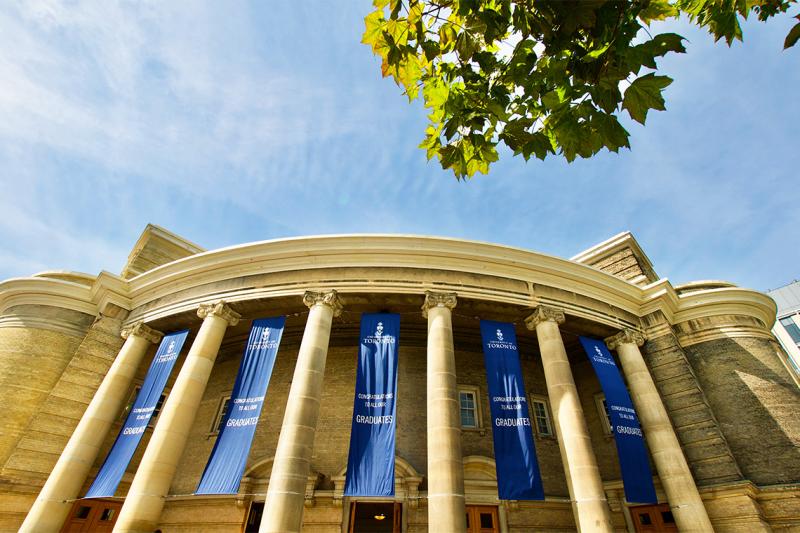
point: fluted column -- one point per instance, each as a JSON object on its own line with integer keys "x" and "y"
{"x": 673, "y": 470}
{"x": 283, "y": 508}
{"x": 589, "y": 503}
{"x": 52, "y": 507}
{"x": 446, "y": 510}
{"x": 142, "y": 508}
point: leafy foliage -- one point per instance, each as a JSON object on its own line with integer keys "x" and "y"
{"x": 543, "y": 77}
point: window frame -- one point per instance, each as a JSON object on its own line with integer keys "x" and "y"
{"x": 538, "y": 398}
{"x": 476, "y": 396}
{"x": 602, "y": 411}
{"x": 162, "y": 400}
{"x": 219, "y": 414}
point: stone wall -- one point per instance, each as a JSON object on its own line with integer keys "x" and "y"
{"x": 701, "y": 438}
{"x": 756, "y": 403}
{"x": 61, "y": 402}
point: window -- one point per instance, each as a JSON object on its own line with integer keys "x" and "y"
{"x": 602, "y": 410}
{"x": 791, "y": 328}
{"x": 222, "y": 410}
{"x": 469, "y": 403}
{"x": 156, "y": 411}
{"x": 540, "y": 409}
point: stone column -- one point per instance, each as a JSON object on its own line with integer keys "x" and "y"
{"x": 446, "y": 510}
{"x": 283, "y": 508}
{"x": 142, "y": 508}
{"x": 52, "y": 507}
{"x": 673, "y": 470}
{"x": 589, "y": 503}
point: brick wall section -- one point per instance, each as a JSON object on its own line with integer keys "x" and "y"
{"x": 622, "y": 264}
{"x": 698, "y": 431}
{"x": 31, "y": 362}
{"x": 756, "y": 402}
{"x": 51, "y": 426}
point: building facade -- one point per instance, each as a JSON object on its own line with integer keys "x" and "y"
{"x": 717, "y": 404}
{"x": 787, "y": 326}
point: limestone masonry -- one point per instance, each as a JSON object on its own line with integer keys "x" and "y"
{"x": 716, "y": 395}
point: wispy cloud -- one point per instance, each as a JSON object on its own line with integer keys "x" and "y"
{"x": 235, "y": 122}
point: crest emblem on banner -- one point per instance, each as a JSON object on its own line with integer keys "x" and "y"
{"x": 265, "y": 335}
{"x": 171, "y": 347}
{"x": 379, "y": 337}
{"x": 499, "y": 335}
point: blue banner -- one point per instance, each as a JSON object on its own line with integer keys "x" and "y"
{"x": 110, "y": 474}
{"x": 225, "y": 467}
{"x": 370, "y": 465}
{"x": 518, "y": 476}
{"x": 636, "y": 475}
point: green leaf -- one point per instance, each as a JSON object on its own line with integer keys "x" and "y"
{"x": 539, "y": 145}
{"x": 373, "y": 34}
{"x": 606, "y": 96}
{"x": 664, "y": 43}
{"x": 431, "y": 49}
{"x": 466, "y": 45}
{"x": 435, "y": 93}
{"x": 398, "y": 29}
{"x": 396, "y": 6}
{"x": 551, "y": 100}
{"x": 645, "y": 94}
{"x": 657, "y": 10}
{"x": 594, "y": 54}
{"x": 793, "y": 36}
{"x": 409, "y": 75}
{"x": 414, "y": 12}
{"x": 612, "y": 134}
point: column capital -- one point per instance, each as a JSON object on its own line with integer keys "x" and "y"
{"x": 438, "y": 299}
{"x": 140, "y": 329}
{"x": 330, "y": 298}
{"x": 626, "y": 336}
{"x": 219, "y": 309}
{"x": 544, "y": 313}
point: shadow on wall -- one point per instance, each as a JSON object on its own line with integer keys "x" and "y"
{"x": 756, "y": 403}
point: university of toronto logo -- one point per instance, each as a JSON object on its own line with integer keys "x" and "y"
{"x": 500, "y": 342}
{"x": 171, "y": 347}
{"x": 263, "y": 340}
{"x": 379, "y": 337}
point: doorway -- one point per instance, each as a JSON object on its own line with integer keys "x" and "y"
{"x": 482, "y": 519}
{"x": 375, "y": 517}
{"x": 653, "y": 519}
{"x": 92, "y": 515}
{"x": 254, "y": 515}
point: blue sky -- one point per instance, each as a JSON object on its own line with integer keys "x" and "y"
{"x": 228, "y": 122}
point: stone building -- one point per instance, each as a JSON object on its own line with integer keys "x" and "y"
{"x": 718, "y": 408}
{"x": 787, "y": 326}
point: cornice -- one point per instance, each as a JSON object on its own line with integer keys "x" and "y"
{"x": 110, "y": 288}
{"x": 379, "y": 251}
{"x": 47, "y": 292}
{"x": 392, "y": 251}
{"x": 726, "y": 301}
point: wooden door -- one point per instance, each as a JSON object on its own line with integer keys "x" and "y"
{"x": 653, "y": 519}
{"x": 376, "y": 517}
{"x": 92, "y": 515}
{"x": 482, "y": 519}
